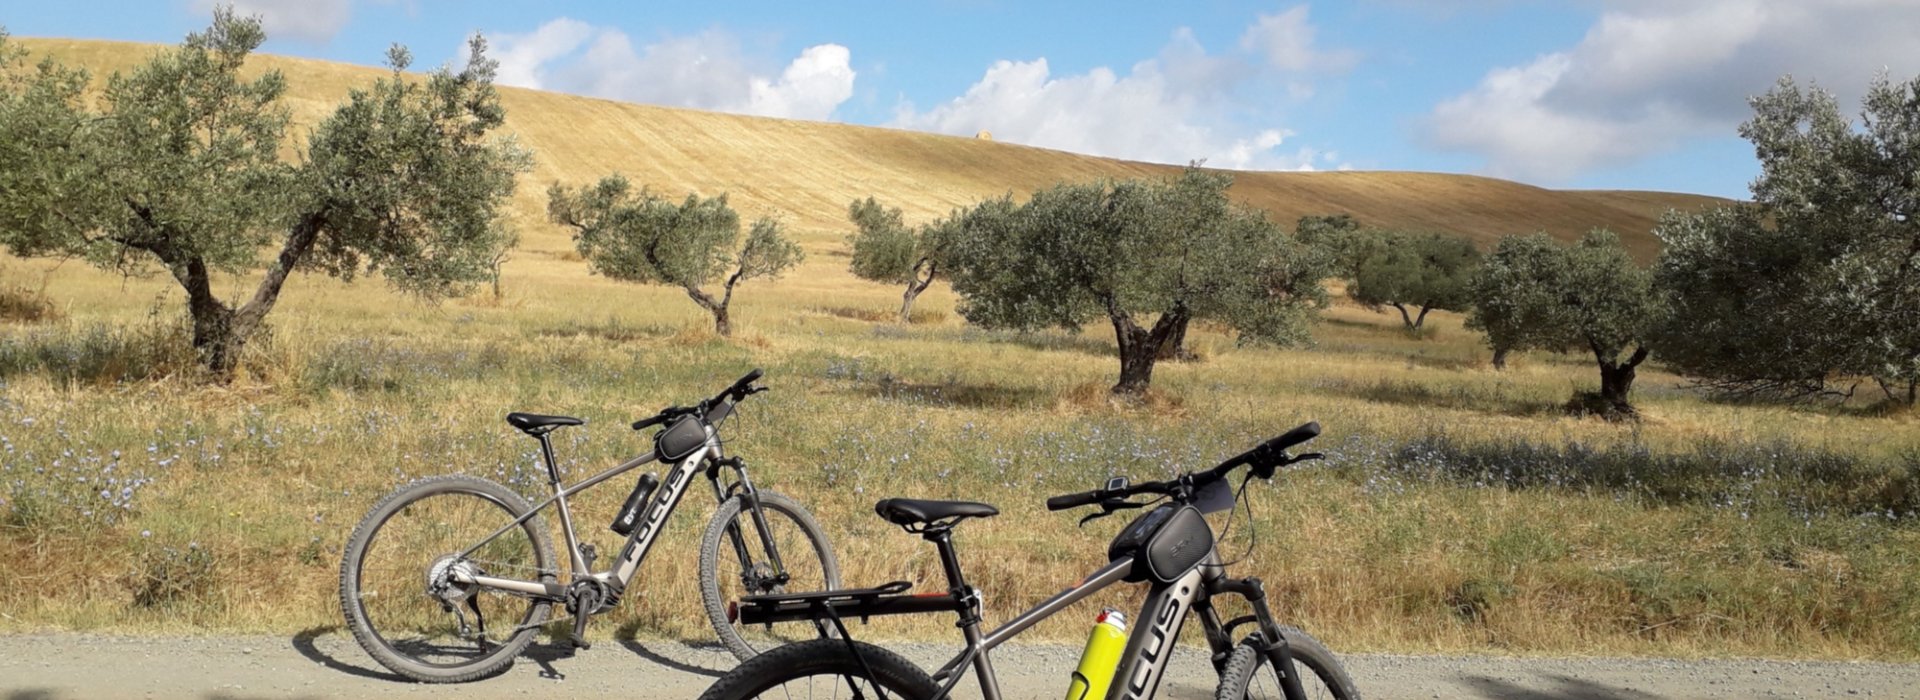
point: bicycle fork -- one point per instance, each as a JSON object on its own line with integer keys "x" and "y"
{"x": 750, "y": 502}
{"x": 1272, "y": 640}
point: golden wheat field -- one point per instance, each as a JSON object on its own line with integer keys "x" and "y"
{"x": 1459, "y": 509}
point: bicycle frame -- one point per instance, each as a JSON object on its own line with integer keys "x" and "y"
{"x": 624, "y": 566}
{"x": 1149, "y": 644}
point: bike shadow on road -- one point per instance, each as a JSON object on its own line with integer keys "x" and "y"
{"x": 1565, "y": 688}
{"x": 303, "y": 643}
{"x": 625, "y": 635}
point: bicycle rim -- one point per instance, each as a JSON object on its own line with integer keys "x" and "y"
{"x": 411, "y": 554}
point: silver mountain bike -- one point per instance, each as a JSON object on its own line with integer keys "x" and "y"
{"x": 1170, "y": 548}
{"x": 448, "y": 578}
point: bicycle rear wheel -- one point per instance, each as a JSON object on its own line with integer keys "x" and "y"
{"x": 824, "y": 668}
{"x": 806, "y": 560}
{"x": 397, "y": 587}
{"x": 1250, "y": 675}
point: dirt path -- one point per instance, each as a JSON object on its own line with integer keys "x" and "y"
{"x": 327, "y": 664}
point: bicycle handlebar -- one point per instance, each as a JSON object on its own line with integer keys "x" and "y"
{"x": 741, "y": 388}
{"x": 1264, "y": 458}
{"x": 1074, "y": 500}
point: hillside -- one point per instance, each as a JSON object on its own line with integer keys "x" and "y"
{"x": 808, "y": 171}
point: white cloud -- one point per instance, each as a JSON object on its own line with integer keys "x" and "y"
{"x": 708, "y": 70}
{"x": 1174, "y": 108}
{"x": 308, "y": 20}
{"x": 524, "y": 57}
{"x": 811, "y": 87}
{"x": 1180, "y": 105}
{"x": 1287, "y": 41}
{"x": 1649, "y": 75}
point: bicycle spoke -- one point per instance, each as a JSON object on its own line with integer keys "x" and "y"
{"x": 409, "y": 595}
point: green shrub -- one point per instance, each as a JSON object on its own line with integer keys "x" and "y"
{"x": 166, "y": 575}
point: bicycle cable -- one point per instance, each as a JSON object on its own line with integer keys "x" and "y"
{"x": 1253, "y": 531}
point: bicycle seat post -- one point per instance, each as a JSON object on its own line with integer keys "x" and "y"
{"x": 546, "y": 453}
{"x": 941, "y": 535}
{"x": 578, "y": 560}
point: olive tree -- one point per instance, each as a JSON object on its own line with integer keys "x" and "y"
{"x": 886, "y": 250}
{"x": 178, "y": 165}
{"x": 1516, "y": 296}
{"x": 1534, "y": 293}
{"x": 1815, "y": 286}
{"x": 1424, "y": 272}
{"x": 638, "y": 236}
{"x": 1148, "y": 256}
{"x": 1339, "y": 238}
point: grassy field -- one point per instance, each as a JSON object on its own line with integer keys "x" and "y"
{"x": 1460, "y": 510}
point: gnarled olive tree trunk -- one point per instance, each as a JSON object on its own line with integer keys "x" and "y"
{"x": 1140, "y": 347}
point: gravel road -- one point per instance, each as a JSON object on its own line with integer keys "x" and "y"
{"x": 325, "y": 663}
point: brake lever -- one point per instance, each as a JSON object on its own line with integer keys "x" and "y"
{"x": 1111, "y": 506}
{"x": 1095, "y": 516}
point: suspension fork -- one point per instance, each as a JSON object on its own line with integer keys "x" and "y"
{"x": 1218, "y": 643}
{"x": 1271, "y": 637}
{"x": 750, "y": 498}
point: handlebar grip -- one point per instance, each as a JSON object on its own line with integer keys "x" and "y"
{"x": 748, "y": 380}
{"x": 1272, "y": 449}
{"x": 645, "y": 423}
{"x": 1073, "y": 500}
{"x": 1306, "y": 431}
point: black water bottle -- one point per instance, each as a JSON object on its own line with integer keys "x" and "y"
{"x": 630, "y": 513}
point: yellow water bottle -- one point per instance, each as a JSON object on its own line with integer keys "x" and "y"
{"x": 1102, "y": 657}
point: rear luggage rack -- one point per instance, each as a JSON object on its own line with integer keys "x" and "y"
{"x": 863, "y": 603}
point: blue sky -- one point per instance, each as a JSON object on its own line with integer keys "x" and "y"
{"x": 1629, "y": 94}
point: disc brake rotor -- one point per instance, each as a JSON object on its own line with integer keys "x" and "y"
{"x": 443, "y": 579}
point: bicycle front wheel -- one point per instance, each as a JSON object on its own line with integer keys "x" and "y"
{"x": 736, "y": 562}
{"x": 1250, "y": 675}
{"x": 824, "y": 668}
{"x": 401, "y": 587}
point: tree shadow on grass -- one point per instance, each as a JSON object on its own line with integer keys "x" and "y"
{"x": 953, "y": 393}
{"x": 1050, "y": 341}
{"x": 1565, "y": 688}
{"x": 1443, "y": 362}
{"x": 610, "y": 330}
{"x": 1464, "y": 398}
{"x": 919, "y": 317}
{"x": 1396, "y": 329}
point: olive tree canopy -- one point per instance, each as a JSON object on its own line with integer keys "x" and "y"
{"x": 1422, "y": 271}
{"x": 1815, "y": 286}
{"x": 886, "y": 250}
{"x": 639, "y": 236}
{"x": 1533, "y": 293}
{"x": 1148, "y": 256}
